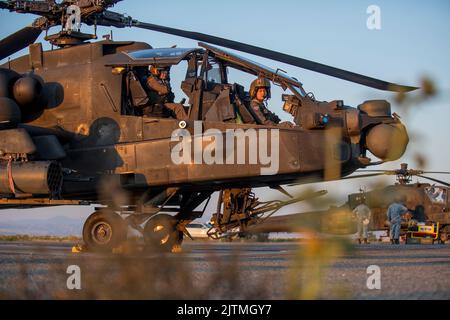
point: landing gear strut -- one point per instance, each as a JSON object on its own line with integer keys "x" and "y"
{"x": 105, "y": 229}
{"x": 239, "y": 209}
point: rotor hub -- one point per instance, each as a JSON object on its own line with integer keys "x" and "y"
{"x": 69, "y": 38}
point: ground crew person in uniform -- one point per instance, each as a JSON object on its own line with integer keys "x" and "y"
{"x": 161, "y": 96}
{"x": 260, "y": 93}
{"x": 394, "y": 213}
{"x": 363, "y": 215}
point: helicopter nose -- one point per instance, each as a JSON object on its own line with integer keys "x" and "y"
{"x": 387, "y": 141}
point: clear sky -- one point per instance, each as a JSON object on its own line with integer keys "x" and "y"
{"x": 413, "y": 42}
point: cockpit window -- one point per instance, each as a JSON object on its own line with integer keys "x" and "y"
{"x": 163, "y": 56}
{"x": 437, "y": 194}
{"x": 159, "y": 53}
{"x": 235, "y": 61}
{"x": 214, "y": 75}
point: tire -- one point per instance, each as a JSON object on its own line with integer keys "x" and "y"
{"x": 103, "y": 231}
{"x": 161, "y": 234}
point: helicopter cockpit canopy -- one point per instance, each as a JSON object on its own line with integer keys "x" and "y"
{"x": 173, "y": 56}
{"x": 159, "y": 56}
{"x": 437, "y": 194}
{"x": 235, "y": 61}
{"x": 209, "y": 63}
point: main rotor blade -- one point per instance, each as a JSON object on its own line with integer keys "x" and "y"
{"x": 343, "y": 178}
{"x": 18, "y": 40}
{"x": 436, "y": 172}
{"x": 278, "y": 56}
{"x": 387, "y": 172}
{"x": 395, "y": 171}
{"x": 364, "y": 176}
{"x": 435, "y": 180}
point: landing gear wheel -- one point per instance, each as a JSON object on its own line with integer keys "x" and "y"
{"x": 161, "y": 234}
{"x": 103, "y": 231}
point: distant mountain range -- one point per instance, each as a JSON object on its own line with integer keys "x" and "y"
{"x": 54, "y": 226}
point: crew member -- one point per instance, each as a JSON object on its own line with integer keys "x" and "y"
{"x": 260, "y": 93}
{"x": 161, "y": 96}
{"x": 394, "y": 215}
{"x": 363, "y": 215}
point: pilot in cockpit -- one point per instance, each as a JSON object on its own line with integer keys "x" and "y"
{"x": 260, "y": 93}
{"x": 161, "y": 97}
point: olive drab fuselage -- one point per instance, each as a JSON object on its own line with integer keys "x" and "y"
{"x": 85, "y": 111}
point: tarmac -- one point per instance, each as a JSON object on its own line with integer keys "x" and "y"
{"x": 218, "y": 270}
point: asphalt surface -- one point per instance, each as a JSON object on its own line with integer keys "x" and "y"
{"x": 214, "y": 270}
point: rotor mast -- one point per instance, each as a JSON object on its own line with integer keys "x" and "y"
{"x": 404, "y": 176}
{"x": 67, "y": 13}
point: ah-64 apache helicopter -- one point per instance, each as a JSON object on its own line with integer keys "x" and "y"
{"x": 426, "y": 203}
{"x": 61, "y": 135}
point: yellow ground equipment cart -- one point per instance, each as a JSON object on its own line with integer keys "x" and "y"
{"x": 416, "y": 233}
